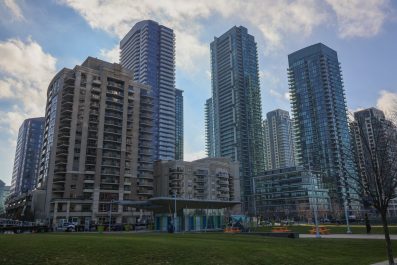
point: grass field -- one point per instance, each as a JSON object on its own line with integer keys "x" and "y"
{"x": 335, "y": 229}
{"x": 210, "y": 248}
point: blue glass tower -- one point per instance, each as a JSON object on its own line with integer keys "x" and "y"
{"x": 149, "y": 51}
{"x": 27, "y": 156}
{"x": 236, "y": 103}
{"x": 209, "y": 128}
{"x": 320, "y": 120}
{"x": 179, "y": 124}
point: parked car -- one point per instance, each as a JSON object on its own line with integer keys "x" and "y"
{"x": 66, "y": 227}
{"x": 266, "y": 223}
{"x": 287, "y": 222}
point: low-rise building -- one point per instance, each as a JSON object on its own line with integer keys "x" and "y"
{"x": 203, "y": 179}
{"x": 290, "y": 193}
{"x": 195, "y": 195}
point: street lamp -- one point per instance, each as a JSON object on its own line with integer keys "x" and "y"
{"x": 174, "y": 210}
{"x": 316, "y": 218}
{"x": 254, "y": 196}
{"x": 346, "y": 215}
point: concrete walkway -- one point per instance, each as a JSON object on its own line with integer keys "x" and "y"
{"x": 350, "y": 236}
{"x": 386, "y": 262}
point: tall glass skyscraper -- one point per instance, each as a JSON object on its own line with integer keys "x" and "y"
{"x": 278, "y": 140}
{"x": 236, "y": 103}
{"x": 179, "y": 124}
{"x": 320, "y": 120}
{"x": 149, "y": 51}
{"x": 27, "y": 156}
{"x": 209, "y": 129}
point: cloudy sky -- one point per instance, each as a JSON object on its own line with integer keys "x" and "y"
{"x": 38, "y": 38}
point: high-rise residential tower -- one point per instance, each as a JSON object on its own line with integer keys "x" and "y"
{"x": 375, "y": 142}
{"x": 178, "y": 124}
{"x": 149, "y": 51}
{"x": 209, "y": 129}
{"x": 278, "y": 140}
{"x": 374, "y": 135}
{"x": 4, "y": 192}
{"x": 236, "y": 103}
{"x": 27, "y": 156}
{"x": 97, "y": 144}
{"x": 320, "y": 120}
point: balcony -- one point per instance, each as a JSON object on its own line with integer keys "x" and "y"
{"x": 112, "y": 147}
{"x": 114, "y": 108}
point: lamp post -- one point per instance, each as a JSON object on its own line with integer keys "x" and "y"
{"x": 348, "y": 231}
{"x": 316, "y": 218}
{"x": 254, "y": 196}
{"x": 175, "y": 210}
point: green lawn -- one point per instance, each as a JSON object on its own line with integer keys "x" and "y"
{"x": 210, "y": 248}
{"x": 335, "y": 229}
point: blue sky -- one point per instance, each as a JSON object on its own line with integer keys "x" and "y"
{"x": 38, "y": 38}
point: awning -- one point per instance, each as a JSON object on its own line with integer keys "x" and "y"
{"x": 165, "y": 204}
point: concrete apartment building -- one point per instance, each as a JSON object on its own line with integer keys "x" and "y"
{"x": 204, "y": 192}
{"x": 373, "y": 135}
{"x": 97, "y": 145}
{"x": 211, "y": 179}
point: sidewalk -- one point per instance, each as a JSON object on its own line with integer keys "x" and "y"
{"x": 350, "y": 236}
{"x": 386, "y": 262}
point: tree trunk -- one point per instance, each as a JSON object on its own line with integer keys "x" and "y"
{"x": 387, "y": 238}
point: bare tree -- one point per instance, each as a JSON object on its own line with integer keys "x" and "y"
{"x": 375, "y": 155}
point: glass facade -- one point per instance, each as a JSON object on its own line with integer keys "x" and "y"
{"x": 179, "y": 124}
{"x": 209, "y": 129}
{"x": 236, "y": 103}
{"x": 320, "y": 120}
{"x": 278, "y": 140}
{"x": 149, "y": 51}
{"x": 27, "y": 156}
{"x": 290, "y": 193}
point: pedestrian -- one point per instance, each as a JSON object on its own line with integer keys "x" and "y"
{"x": 367, "y": 224}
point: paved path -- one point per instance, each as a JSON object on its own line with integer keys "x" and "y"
{"x": 350, "y": 236}
{"x": 386, "y": 262}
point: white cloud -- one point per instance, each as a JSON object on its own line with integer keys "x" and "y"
{"x": 111, "y": 55}
{"x": 286, "y": 96}
{"x": 357, "y": 18}
{"x": 276, "y": 20}
{"x": 387, "y": 102}
{"x": 190, "y": 156}
{"x": 15, "y": 9}
{"x": 275, "y": 93}
{"x": 25, "y": 71}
